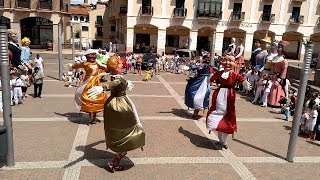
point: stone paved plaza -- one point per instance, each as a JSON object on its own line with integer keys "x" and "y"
{"x": 52, "y": 140}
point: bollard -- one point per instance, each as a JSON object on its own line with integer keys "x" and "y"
{"x": 3, "y": 141}
{"x": 300, "y": 101}
{"x": 6, "y": 96}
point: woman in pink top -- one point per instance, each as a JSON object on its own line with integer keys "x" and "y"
{"x": 279, "y": 72}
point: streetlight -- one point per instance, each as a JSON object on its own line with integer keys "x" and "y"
{"x": 6, "y": 97}
{"x": 300, "y": 100}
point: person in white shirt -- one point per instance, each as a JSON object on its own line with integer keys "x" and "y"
{"x": 25, "y": 84}
{"x": 232, "y": 47}
{"x": 252, "y": 76}
{"x": 266, "y": 92}
{"x": 163, "y": 60}
{"x": 312, "y": 121}
{"x": 17, "y": 91}
{"x": 77, "y": 58}
{"x": 158, "y": 65}
{"x": 303, "y": 127}
{"x": 38, "y": 61}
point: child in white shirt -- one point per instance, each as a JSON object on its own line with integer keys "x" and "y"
{"x": 303, "y": 127}
{"x": 17, "y": 91}
{"x": 266, "y": 92}
{"x": 312, "y": 121}
{"x": 70, "y": 77}
{"x": 260, "y": 87}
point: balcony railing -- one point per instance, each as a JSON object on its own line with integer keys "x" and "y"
{"x": 123, "y": 10}
{"x": 296, "y": 19}
{"x": 99, "y": 23}
{"x": 203, "y": 13}
{"x": 268, "y": 17}
{"x": 99, "y": 33}
{"x": 23, "y": 4}
{"x": 45, "y": 4}
{"x": 179, "y": 12}
{"x": 1, "y": 3}
{"x": 146, "y": 11}
{"x": 238, "y": 15}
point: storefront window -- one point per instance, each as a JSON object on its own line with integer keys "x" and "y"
{"x": 85, "y": 28}
{"x": 172, "y": 41}
{"x": 143, "y": 39}
{"x": 38, "y": 29}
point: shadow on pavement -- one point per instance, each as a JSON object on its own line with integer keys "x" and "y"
{"x": 178, "y": 112}
{"x": 77, "y": 118}
{"x": 258, "y": 148}
{"x": 200, "y": 141}
{"x": 52, "y": 77}
{"x": 101, "y": 163}
{"x": 311, "y": 142}
{"x": 286, "y": 127}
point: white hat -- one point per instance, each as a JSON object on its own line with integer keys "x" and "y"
{"x": 89, "y": 51}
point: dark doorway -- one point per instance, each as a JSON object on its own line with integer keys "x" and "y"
{"x": 146, "y": 2}
{"x": 38, "y": 29}
{"x": 203, "y": 43}
{"x": 142, "y": 42}
{"x": 180, "y": 3}
{"x": 5, "y": 21}
{"x": 96, "y": 44}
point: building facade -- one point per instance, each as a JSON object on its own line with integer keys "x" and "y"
{"x": 206, "y": 24}
{"x": 80, "y": 24}
{"x": 37, "y": 20}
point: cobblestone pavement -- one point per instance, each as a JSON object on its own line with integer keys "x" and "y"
{"x": 52, "y": 140}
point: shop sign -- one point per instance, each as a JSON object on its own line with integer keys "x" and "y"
{"x": 230, "y": 24}
{"x": 43, "y": 21}
{"x": 4, "y": 20}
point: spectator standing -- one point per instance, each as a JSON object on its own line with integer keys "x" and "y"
{"x": 77, "y": 58}
{"x": 17, "y": 91}
{"x": 25, "y": 83}
{"x": 37, "y": 82}
{"x": 266, "y": 92}
{"x": 312, "y": 121}
{"x": 38, "y": 61}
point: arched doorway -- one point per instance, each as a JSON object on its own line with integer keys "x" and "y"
{"x": 38, "y": 29}
{"x": 295, "y": 40}
{"x": 177, "y": 38}
{"x": 315, "y": 38}
{"x": 5, "y": 21}
{"x": 204, "y": 39}
{"x": 145, "y": 38}
{"x": 233, "y": 33}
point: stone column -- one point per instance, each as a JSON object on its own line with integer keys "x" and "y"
{"x": 253, "y": 9}
{"x": 282, "y": 10}
{"x": 161, "y": 42}
{"x": 248, "y": 45}
{"x": 193, "y": 37}
{"x": 55, "y": 36}
{"x": 310, "y": 11}
{"x": 218, "y": 43}
{"x": 129, "y": 8}
{"x": 302, "y": 49}
{"x": 129, "y": 40}
{"x": 163, "y": 8}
